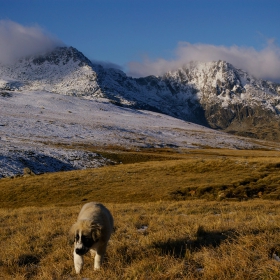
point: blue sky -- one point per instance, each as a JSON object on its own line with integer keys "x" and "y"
{"x": 136, "y": 34}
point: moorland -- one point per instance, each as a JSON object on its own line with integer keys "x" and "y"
{"x": 188, "y": 214}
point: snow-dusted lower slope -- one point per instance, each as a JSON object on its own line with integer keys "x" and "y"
{"x": 33, "y": 125}
{"x": 15, "y": 156}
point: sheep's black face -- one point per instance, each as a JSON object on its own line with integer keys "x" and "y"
{"x": 83, "y": 243}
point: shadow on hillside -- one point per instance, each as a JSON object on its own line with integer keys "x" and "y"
{"x": 179, "y": 247}
{"x": 166, "y": 95}
{"x": 43, "y": 163}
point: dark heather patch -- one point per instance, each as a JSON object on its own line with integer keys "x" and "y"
{"x": 28, "y": 259}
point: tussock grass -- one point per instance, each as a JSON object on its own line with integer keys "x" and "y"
{"x": 164, "y": 230}
{"x": 159, "y": 240}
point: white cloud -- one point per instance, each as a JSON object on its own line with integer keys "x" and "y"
{"x": 263, "y": 64}
{"x": 107, "y": 64}
{"x": 18, "y": 41}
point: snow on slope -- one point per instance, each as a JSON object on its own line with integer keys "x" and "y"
{"x": 152, "y": 93}
{"x": 211, "y": 94}
{"x": 33, "y": 124}
{"x": 219, "y": 81}
{"x": 188, "y": 93}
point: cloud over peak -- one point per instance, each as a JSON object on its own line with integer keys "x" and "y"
{"x": 263, "y": 63}
{"x": 17, "y": 41}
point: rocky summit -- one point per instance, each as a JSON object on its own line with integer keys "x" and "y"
{"x": 213, "y": 94}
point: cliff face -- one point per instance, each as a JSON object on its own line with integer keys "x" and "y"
{"x": 232, "y": 100}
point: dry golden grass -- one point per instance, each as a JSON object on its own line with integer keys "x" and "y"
{"x": 160, "y": 240}
{"x": 163, "y": 229}
{"x": 210, "y": 174}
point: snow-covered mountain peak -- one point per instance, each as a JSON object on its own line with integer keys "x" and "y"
{"x": 60, "y": 55}
{"x": 206, "y": 74}
{"x": 65, "y": 70}
{"x": 221, "y": 79}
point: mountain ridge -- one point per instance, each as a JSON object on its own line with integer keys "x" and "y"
{"x": 213, "y": 94}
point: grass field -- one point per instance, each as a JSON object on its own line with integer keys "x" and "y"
{"x": 199, "y": 214}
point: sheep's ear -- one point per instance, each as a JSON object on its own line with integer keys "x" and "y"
{"x": 96, "y": 231}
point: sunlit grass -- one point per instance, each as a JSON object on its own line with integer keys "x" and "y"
{"x": 164, "y": 230}
{"x": 159, "y": 240}
{"x": 214, "y": 175}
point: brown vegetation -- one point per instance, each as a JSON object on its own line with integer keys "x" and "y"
{"x": 212, "y": 174}
{"x": 164, "y": 230}
{"x": 160, "y": 240}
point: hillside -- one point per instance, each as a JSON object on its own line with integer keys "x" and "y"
{"x": 154, "y": 175}
{"x": 47, "y": 132}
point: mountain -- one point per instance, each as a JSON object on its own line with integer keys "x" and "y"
{"x": 64, "y": 70}
{"x": 213, "y": 94}
{"x": 232, "y": 100}
{"x": 55, "y": 105}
